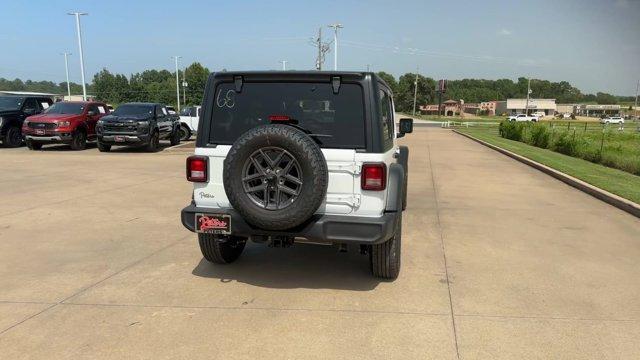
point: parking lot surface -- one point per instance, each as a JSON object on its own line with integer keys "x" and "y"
{"x": 499, "y": 262}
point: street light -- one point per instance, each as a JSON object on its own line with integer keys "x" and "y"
{"x": 335, "y": 27}
{"x": 177, "y": 82}
{"x": 79, "y": 31}
{"x": 66, "y": 69}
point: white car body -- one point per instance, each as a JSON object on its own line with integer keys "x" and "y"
{"x": 612, "y": 120}
{"x": 523, "y": 117}
{"x": 344, "y": 194}
{"x": 192, "y": 118}
{"x": 539, "y": 114}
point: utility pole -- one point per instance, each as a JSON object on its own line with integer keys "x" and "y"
{"x": 177, "y": 81}
{"x": 322, "y": 49}
{"x": 66, "y": 69}
{"x": 368, "y": 66}
{"x": 284, "y": 64}
{"x": 335, "y": 27}
{"x": 526, "y": 107}
{"x": 415, "y": 91}
{"x": 79, "y": 31}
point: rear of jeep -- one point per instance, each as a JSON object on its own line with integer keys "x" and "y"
{"x": 286, "y": 157}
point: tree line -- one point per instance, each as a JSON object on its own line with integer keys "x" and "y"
{"x": 478, "y": 90}
{"x": 160, "y": 86}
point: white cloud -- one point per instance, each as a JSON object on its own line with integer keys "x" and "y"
{"x": 505, "y": 32}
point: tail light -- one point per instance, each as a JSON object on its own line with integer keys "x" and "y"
{"x": 374, "y": 176}
{"x": 197, "y": 168}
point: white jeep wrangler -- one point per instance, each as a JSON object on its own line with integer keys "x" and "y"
{"x": 286, "y": 157}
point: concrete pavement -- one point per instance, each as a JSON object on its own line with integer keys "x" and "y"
{"x": 499, "y": 261}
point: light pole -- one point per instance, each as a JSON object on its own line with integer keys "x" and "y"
{"x": 415, "y": 92}
{"x": 635, "y": 107}
{"x": 79, "y": 31}
{"x": 66, "y": 69}
{"x": 335, "y": 27}
{"x": 177, "y": 81}
{"x": 284, "y": 64}
{"x": 526, "y": 107}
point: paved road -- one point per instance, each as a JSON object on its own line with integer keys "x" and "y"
{"x": 499, "y": 262}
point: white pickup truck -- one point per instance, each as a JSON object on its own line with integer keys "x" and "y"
{"x": 523, "y": 117}
{"x": 189, "y": 118}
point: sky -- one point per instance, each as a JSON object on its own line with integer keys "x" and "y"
{"x": 593, "y": 44}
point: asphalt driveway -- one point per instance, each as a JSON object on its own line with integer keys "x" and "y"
{"x": 499, "y": 262}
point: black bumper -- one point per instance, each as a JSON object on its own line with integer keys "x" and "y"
{"x": 320, "y": 228}
{"x": 127, "y": 139}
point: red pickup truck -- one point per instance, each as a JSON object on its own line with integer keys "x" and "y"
{"x": 68, "y": 122}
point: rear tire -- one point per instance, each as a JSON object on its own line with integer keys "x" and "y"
{"x": 102, "y": 147}
{"x": 79, "y": 140}
{"x": 185, "y": 133}
{"x": 13, "y": 137}
{"x": 385, "y": 258}
{"x": 33, "y": 145}
{"x": 154, "y": 142}
{"x": 220, "y": 249}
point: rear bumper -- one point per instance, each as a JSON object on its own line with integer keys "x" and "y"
{"x": 320, "y": 228}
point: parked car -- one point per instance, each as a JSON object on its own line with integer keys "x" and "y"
{"x": 539, "y": 114}
{"x": 290, "y": 157}
{"x": 523, "y": 117}
{"x": 189, "y": 119}
{"x": 612, "y": 120}
{"x": 138, "y": 124}
{"x": 13, "y": 111}
{"x": 72, "y": 123}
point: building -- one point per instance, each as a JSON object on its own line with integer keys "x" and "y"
{"x": 450, "y": 108}
{"x": 566, "y": 108}
{"x": 78, "y": 98}
{"x": 517, "y": 106}
{"x": 598, "y": 110}
{"x": 489, "y": 107}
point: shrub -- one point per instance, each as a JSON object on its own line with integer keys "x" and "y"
{"x": 539, "y": 136}
{"x": 564, "y": 144}
{"x": 511, "y": 130}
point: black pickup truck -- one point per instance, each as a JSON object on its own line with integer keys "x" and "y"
{"x": 138, "y": 124}
{"x": 13, "y": 111}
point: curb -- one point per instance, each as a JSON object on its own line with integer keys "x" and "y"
{"x": 611, "y": 199}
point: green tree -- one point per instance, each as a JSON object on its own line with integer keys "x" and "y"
{"x": 390, "y": 80}
{"x": 196, "y": 76}
{"x": 405, "y": 91}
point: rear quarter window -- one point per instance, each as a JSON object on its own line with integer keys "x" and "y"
{"x": 337, "y": 118}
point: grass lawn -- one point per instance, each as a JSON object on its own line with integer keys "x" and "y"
{"x": 615, "y": 181}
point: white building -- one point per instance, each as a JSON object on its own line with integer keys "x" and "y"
{"x": 517, "y": 106}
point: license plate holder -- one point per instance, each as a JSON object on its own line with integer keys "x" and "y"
{"x": 213, "y": 223}
{"x": 39, "y": 132}
{"x": 119, "y": 139}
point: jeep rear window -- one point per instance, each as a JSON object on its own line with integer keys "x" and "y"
{"x": 340, "y": 117}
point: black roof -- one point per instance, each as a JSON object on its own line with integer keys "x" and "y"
{"x": 296, "y": 75}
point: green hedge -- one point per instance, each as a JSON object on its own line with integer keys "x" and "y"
{"x": 610, "y": 148}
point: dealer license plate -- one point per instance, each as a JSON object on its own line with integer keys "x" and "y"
{"x": 213, "y": 223}
{"x": 119, "y": 139}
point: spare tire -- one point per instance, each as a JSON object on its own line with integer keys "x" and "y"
{"x": 275, "y": 176}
